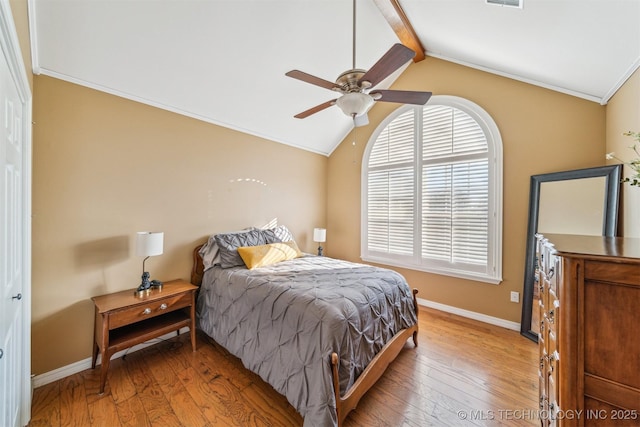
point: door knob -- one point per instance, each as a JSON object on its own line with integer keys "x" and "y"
{"x": 18, "y": 297}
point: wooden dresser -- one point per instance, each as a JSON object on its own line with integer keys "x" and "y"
{"x": 589, "y": 336}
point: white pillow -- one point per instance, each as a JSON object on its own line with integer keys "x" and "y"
{"x": 282, "y": 233}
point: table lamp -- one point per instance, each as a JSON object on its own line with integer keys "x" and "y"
{"x": 319, "y": 236}
{"x": 148, "y": 243}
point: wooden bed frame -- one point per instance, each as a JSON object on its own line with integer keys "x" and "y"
{"x": 373, "y": 371}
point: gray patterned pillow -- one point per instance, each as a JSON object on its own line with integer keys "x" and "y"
{"x": 210, "y": 252}
{"x": 229, "y": 243}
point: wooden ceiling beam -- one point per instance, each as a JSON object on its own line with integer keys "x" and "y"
{"x": 397, "y": 19}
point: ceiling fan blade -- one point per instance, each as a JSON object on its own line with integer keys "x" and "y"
{"x": 361, "y": 120}
{"x": 395, "y": 58}
{"x": 402, "y": 96}
{"x": 315, "y": 109}
{"x": 308, "y": 78}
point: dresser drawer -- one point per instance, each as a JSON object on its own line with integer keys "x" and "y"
{"x": 628, "y": 274}
{"x": 150, "y": 309}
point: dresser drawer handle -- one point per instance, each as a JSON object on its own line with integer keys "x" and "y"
{"x": 553, "y": 412}
{"x": 552, "y": 316}
{"x": 163, "y": 306}
{"x": 147, "y": 311}
{"x": 551, "y": 273}
{"x": 552, "y": 358}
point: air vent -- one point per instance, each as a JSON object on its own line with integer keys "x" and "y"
{"x": 508, "y": 3}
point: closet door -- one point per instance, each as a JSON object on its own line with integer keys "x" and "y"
{"x": 15, "y": 213}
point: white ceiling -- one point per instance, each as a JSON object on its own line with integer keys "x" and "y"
{"x": 223, "y": 61}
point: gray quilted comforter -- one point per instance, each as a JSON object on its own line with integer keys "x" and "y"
{"x": 284, "y": 321}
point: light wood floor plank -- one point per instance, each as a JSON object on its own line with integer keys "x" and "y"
{"x": 150, "y": 394}
{"x": 464, "y": 373}
{"x": 103, "y": 412}
{"x": 179, "y": 399}
{"x": 132, "y": 413}
{"x": 74, "y": 410}
{"x": 45, "y": 406}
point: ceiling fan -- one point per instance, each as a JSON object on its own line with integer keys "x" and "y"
{"x": 357, "y": 86}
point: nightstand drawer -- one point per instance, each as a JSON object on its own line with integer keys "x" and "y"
{"x": 146, "y": 311}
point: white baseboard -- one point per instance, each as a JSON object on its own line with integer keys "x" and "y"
{"x": 74, "y": 368}
{"x": 470, "y": 314}
{"x": 82, "y": 365}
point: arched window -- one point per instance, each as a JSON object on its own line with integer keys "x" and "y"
{"x": 432, "y": 191}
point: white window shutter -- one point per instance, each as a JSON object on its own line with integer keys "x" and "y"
{"x": 428, "y": 194}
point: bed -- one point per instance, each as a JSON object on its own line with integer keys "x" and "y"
{"x": 320, "y": 331}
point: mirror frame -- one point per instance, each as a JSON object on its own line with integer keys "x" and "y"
{"x": 613, "y": 175}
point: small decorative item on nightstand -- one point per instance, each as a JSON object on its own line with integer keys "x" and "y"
{"x": 148, "y": 243}
{"x": 319, "y": 236}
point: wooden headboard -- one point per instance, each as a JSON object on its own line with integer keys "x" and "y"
{"x": 197, "y": 270}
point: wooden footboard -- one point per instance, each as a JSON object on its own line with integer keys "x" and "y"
{"x": 373, "y": 371}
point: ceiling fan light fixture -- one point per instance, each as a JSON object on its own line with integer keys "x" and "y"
{"x": 355, "y": 103}
{"x": 508, "y": 3}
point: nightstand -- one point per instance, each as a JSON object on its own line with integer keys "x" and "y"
{"x": 123, "y": 319}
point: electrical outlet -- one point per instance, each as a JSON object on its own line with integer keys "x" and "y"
{"x": 515, "y": 296}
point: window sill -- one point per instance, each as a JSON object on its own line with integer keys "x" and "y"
{"x": 477, "y": 277}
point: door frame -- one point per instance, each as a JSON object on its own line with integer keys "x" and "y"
{"x": 10, "y": 46}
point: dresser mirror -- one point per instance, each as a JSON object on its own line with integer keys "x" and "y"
{"x": 583, "y": 201}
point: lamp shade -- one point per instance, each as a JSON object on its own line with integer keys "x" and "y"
{"x": 355, "y": 103}
{"x": 319, "y": 235}
{"x": 149, "y": 243}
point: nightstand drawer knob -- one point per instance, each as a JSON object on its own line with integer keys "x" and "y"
{"x": 163, "y": 307}
{"x": 147, "y": 311}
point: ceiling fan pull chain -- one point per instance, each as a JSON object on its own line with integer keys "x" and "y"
{"x": 355, "y": 135}
{"x": 355, "y": 138}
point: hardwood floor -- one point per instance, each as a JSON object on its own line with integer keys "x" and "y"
{"x": 463, "y": 373}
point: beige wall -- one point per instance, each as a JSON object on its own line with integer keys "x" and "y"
{"x": 623, "y": 114}
{"x": 542, "y": 131}
{"x": 105, "y": 167}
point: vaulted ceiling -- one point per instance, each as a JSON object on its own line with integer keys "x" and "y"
{"x": 224, "y": 61}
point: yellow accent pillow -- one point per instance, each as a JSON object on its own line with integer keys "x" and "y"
{"x": 263, "y": 255}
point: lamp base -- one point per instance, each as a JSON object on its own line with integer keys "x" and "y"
{"x": 319, "y": 250}
{"x": 145, "y": 285}
{"x": 141, "y": 294}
